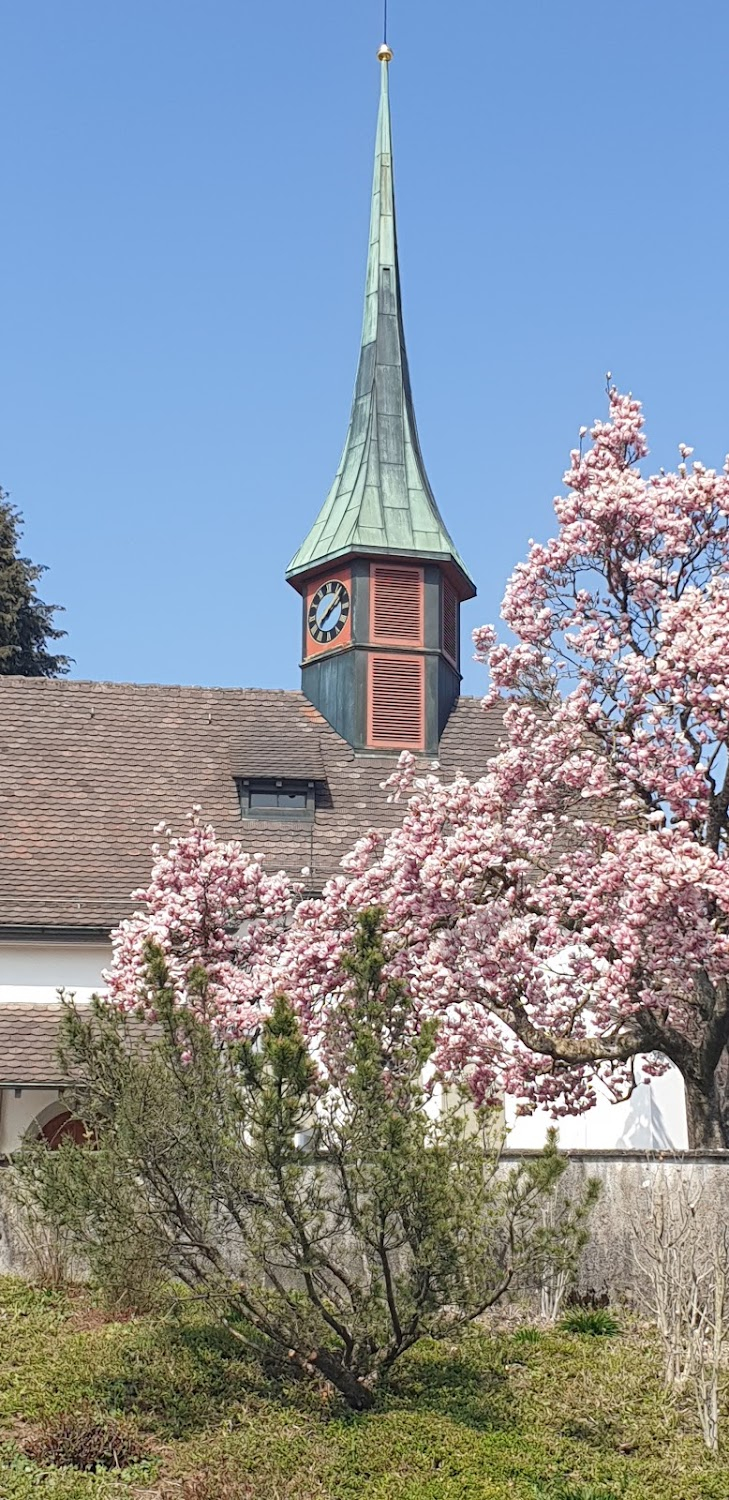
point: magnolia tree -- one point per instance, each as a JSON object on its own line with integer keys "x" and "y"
{"x": 568, "y": 912}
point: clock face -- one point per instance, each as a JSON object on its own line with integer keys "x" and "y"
{"x": 328, "y": 612}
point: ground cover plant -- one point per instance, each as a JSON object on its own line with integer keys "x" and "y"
{"x": 494, "y": 1416}
{"x": 598, "y": 1322}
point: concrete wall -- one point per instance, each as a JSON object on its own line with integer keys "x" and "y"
{"x": 626, "y": 1180}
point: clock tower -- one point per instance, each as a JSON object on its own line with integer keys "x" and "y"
{"x": 380, "y": 579}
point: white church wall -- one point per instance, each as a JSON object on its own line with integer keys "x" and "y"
{"x": 653, "y": 1119}
{"x": 34, "y": 972}
{"x": 19, "y": 1109}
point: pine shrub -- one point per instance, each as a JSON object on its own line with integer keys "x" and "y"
{"x": 325, "y": 1215}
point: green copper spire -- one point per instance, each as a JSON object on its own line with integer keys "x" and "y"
{"x": 381, "y": 500}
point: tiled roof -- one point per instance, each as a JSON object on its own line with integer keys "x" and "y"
{"x": 87, "y": 770}
{"x": 29, "y": 1037}
{"x": 297, "y": 755}
{"x": 29, "y": 1040}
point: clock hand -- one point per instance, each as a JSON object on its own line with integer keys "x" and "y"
{"x": 334, "y": 602}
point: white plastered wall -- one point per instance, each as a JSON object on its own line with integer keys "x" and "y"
{"x": 19, "y": 1110}
{"x": 34, "y": 972}
{"x": 653, "y": 1119}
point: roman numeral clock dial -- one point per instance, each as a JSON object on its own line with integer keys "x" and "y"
{"x": 328, "y": 612}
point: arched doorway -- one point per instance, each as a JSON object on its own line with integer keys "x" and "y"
{"x": 63, "y": 1126}
{"x": 57, "y": 1123}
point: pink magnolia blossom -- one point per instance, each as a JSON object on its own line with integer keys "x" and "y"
{"x": 569, "y": 910}
{"x": 208, "y": 905}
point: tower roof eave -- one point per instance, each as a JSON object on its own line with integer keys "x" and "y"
{"x": 302, "y": 567}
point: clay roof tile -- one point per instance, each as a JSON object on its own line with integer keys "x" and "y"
{"x": 88, "y": 769}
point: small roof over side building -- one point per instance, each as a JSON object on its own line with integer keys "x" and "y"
{"x": 29, "y": 1037}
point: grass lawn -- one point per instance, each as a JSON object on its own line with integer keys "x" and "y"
{"x": 528, "y": 1416}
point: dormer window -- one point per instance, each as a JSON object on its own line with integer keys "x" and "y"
{"x": 276, "y": 797}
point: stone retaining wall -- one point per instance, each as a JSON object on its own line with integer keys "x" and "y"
{"x": 627, "y": 1181}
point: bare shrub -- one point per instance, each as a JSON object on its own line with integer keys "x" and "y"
{"x": 43, "y": 1248}
{"x": 682, "y": 1252}
{"x": 85, "y": 1440}
{"x": 565, "y": 1226}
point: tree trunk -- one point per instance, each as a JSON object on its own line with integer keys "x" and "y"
{"x": 703, "y": 1115}
{"x": 356, "y": 1395}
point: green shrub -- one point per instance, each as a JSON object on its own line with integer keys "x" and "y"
{"x": 127, "y": 1274}
{"x": 597, "y": 1322}
{"x": 528, "y": 1335}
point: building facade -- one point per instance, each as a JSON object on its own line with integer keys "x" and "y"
{"x": 87, "y": 770}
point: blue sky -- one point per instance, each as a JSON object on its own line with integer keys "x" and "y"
{"x": 185, "y": 196}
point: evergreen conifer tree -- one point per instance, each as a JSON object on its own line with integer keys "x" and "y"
{"x": 26, "y": 623}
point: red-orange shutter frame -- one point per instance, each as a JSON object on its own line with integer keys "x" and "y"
{"x": 397, "y": 702}
{"x": 450, "y": 622}
{"x": 396, "y": 603}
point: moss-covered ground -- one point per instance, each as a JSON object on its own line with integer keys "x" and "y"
{"x": 526, "y": 1415}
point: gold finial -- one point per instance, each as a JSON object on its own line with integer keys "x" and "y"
{"x": 385, "y": 53}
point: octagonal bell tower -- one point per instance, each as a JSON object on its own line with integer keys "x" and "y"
{"x": 380, "y": 579}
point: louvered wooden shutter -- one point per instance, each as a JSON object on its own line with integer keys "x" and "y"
{"x": 397, "y": 604}
{"x": 450, "y": 622}
{"x": 396, "y": 702}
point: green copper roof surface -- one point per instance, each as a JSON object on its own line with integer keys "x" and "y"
{"x": 381, "y": 500}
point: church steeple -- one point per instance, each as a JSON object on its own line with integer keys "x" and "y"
{"x": 381, "y": 500}
{"x": 381, "y": 577}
